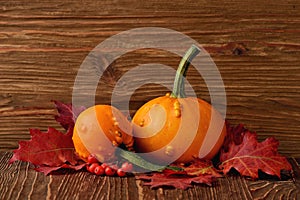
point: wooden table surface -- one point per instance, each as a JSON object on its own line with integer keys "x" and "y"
{"x": 20, "y": 181}
{"x": 255, "y": 45}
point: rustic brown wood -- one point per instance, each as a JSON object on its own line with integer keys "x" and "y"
{"x": 20, "y": 181}
{"x": 255, "y": 44}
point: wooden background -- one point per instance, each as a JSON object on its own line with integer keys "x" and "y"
{"x": 255, "y": 44}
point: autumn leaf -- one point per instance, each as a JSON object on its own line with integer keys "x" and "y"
{"x": 48, "y": 169}
{"x": 250, "y": 156}
{"x": 198, "y": 171}
{"x": 200, "y": 167}
{"x": 52, "y": 148}
{"x": 234, "y": 135}
{"x": 155, "y": 180}
{"x": 67, "y": 114}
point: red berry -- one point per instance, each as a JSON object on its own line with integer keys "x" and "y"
{"x": 104, "y": 165}
{"x": 109, "y": 171}
{"x": 121, "y": 173}
{"x": 115, "y": 167}
{"x": 92, "y": 159}
{"x": 99, "y": 170}
{"x": 91, "y": 168}
{"x": 126, "y": 167}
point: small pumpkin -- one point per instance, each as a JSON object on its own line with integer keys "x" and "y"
{"x": 178, "y": 128}
{"x": 99, "y": 130}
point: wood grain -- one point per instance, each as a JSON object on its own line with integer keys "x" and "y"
{"x": 20, "y": 181}
{"x": 255, "y": 45}
{"x": 257, "y": 50}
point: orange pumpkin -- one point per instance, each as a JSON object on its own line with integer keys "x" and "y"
{"x": 99, "y": 130}
{"x": 178, "y": 128}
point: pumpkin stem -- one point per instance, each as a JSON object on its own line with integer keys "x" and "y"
{"x": 178, "y": 87}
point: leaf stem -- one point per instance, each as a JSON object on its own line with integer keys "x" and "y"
{"x": 140, "y": 162}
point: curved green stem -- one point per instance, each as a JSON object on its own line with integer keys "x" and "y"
{"x": 178, "y": 88}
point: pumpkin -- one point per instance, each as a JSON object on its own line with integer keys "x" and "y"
{"x": 176, "y": 128}
{"x": 99, "y": 130}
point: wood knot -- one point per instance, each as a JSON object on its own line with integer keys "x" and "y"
{"x": 239, "y": 49}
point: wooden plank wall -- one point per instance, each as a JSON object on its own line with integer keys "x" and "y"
{"x": 255, "y": 44}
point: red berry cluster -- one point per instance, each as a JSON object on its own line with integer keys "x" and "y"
{"x": 95, "y": 167}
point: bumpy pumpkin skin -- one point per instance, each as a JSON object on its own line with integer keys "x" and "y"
{"x": 98, "y": 130}
{"x": 162, "y": 137}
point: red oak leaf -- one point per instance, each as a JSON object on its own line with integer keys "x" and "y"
{"x": 234, "y": 135}
{"x": 67, "y": 114}
{"x": 47, "y": 169}
{"x": 200, "y": 167}
{"x": 171, "y": 172}
{"x": 176, "y": 181}
{"x": 52, "y": 149}
{"x": 250, "y": 156}
{"x": 198, "y": 171}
